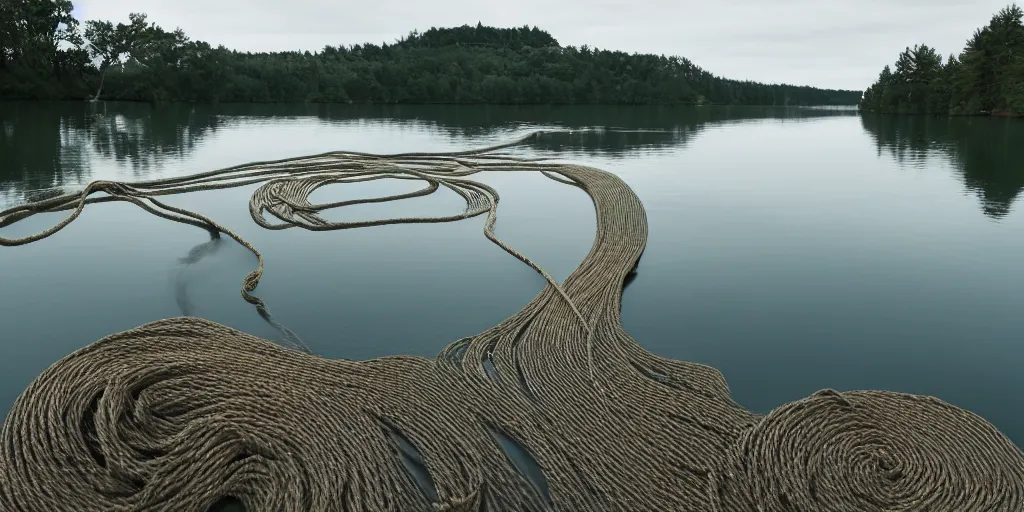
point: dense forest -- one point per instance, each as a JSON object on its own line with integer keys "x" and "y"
{"x": 45, "y": 53}
{"x": 987, "y": 77}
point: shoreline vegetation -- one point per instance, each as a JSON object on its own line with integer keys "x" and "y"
{"x": 987, "y": 78}
{"x": 46, "y": 54}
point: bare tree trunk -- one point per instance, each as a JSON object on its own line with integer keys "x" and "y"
{"x": 103, "y": 76}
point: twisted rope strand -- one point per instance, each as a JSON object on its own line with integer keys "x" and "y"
{"x": 555, "y": 408}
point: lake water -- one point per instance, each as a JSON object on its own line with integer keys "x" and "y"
{"x": 792, "y": 249}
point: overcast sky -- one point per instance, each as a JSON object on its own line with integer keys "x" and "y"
{"x": 824, "y": 43}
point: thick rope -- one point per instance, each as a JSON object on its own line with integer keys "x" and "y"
{"x": 555, "y": 408}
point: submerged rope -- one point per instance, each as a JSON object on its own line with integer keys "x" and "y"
{"x": 555, "y": 408}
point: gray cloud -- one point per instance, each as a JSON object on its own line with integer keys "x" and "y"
{"x": 826, "y": 43}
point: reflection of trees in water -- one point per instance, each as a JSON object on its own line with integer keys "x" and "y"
{"x": 625, "y": 128}
{"x": 38, "y": 151}
{"x": 988, "y": 152}
{"x": 142, "y": 136}
{"x": 50, "y": 144}
{"x": 619, "y": 129}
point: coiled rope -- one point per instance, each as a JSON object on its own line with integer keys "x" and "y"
{"x": 555, "y": 408}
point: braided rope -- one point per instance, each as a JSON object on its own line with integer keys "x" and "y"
{"x": 555, "y": 408}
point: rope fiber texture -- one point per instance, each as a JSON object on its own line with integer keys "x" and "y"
{"x": 555, "y": 408}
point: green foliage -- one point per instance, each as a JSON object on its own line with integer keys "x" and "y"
{"x": 513, "y": 38}
{"x": 525, "y": 65}
{"x": 109, "y": 43}
{"x": 40, "y": 50}
{"x": 987, "y": 78}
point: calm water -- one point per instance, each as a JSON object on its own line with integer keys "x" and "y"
{"x": 794, "y": 250}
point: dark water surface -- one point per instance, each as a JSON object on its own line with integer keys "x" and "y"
{"x": 792, "y": 249}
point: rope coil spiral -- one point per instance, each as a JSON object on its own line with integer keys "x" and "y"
{"x": 555, "y": 408}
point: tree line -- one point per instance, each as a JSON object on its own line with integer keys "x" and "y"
{"x": 45, "y": 53}
{"x": 986, "y": 78}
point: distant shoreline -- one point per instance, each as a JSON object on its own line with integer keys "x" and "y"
{"x": 842, "y": 106}
{"x": 140, "y": 61}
